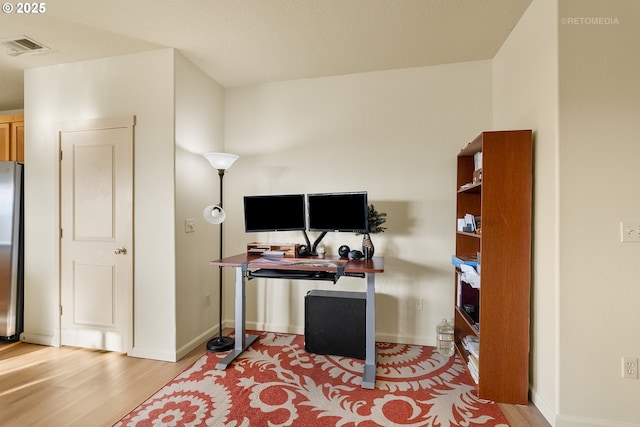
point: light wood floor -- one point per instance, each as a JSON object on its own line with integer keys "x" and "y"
{"x": 67, "y": 386}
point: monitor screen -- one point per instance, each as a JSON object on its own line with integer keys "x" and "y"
{"x": 284, "y": 212}
{"x": 338, "y": 212}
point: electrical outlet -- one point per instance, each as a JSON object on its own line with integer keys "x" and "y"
{"x": 630, "y": 367}
{"x": 419, "y": 304}
{"x": 630, "y": 231}
{"x": 189, "y": 225}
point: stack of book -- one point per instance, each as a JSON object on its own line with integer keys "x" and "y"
{"x": 471, "y": 343}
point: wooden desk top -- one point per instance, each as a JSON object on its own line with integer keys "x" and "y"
{"x": 329, "y": 263}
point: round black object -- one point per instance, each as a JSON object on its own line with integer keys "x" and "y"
{"x": 356, "y": 254}
{"x": 220, "y": 344}
{"x": 302, "y": 251}
{"x": 343, "y": 251}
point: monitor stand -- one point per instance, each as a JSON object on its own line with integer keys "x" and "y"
{"x": 313, "y": 250}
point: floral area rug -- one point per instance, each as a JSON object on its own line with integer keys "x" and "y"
{"x": 276, "y": 382}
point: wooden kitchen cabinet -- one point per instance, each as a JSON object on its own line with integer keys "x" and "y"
{"x": 12, "y": 137}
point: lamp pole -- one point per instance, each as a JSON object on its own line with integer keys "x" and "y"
{"x": 222, "y": 162}
{"x": 221, "y": 175}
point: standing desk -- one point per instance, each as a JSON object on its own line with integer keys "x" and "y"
{"x": 250, "y": 266}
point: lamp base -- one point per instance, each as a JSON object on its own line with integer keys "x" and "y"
{"x": 220, "y": 344}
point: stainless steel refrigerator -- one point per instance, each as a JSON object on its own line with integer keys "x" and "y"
{"x": 11, "y": 250}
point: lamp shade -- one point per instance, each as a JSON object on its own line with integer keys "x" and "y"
{"x": 213, "y": 214}
{"x": 221, "y": 161}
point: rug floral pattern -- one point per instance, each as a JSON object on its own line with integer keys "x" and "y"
{"x": 277, "y": 383}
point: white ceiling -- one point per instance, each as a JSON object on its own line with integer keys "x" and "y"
{"x": 244, "y": 42}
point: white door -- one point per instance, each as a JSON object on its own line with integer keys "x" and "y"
{"x": 96, "y": 235}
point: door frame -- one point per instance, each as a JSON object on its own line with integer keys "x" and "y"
{"x": 91, "y": 125}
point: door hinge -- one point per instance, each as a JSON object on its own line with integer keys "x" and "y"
{"x": 60, "y": 155}
{"x": 61, "y": 233}
{"x": 60, "y": 310}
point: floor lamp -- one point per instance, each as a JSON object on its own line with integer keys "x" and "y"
{"x": 215, "y": 215}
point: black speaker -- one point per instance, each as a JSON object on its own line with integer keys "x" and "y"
{"x": 343, "y": 251}
{"x": 335, "y": 323}
{"x": 302, "y": 251}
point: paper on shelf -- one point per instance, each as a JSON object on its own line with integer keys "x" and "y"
{"x": 470, "y": 275}
{"x": 473, "y": 370}
{"x": 477, "y": 160}
{"x": 472, "y": 345}
{"x": 470, "y": 222}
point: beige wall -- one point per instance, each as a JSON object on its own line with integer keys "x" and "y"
{"x": 150, "y": 87}
{"x": 577, "y": 84}
{"x": 525, "y": 90}
{"x": 599, "y": 114}
{"x": 138, "y": 85}
{"x": 8, "y": 112}
{"x": 199, "y": 128}
{"x": 394, "y": 134}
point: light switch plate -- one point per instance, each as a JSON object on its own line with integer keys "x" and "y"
{"x": 630, "y": 231}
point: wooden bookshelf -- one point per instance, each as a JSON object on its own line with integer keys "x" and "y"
{"x": 503, "y": 201}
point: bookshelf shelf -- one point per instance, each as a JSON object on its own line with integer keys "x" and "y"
{"x": 475, "y": 235}
{"x": 500, "y": 305}
{"x": 473, "y": 188}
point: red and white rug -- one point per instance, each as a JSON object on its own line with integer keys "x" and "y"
{"x": 277, "y": 383}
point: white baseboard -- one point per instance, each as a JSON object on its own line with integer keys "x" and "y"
{"x": 49, "y": 340}
{"x": 153, "y": 354}
{"x": 196, "y": 341}
{"x": 289, "y": 329}
{"x": 572, "y": 421}
{"x": 271, "y": 327}
{"x": 545, "y": 409}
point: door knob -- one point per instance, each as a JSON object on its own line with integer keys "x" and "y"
{"x": 121, "y": 251}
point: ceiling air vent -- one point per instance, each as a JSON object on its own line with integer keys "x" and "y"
{"x": 23, "y": 45}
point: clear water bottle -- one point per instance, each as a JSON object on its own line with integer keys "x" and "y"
{"x": 445, "y": 345}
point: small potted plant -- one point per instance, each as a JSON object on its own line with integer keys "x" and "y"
{"x": 376, "y": 219}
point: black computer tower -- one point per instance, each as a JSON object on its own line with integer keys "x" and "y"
{"x": 335, "y": 323}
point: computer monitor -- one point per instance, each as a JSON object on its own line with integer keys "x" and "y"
{"x": 341, "y": 212}
{"x": 284, "y": 212}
